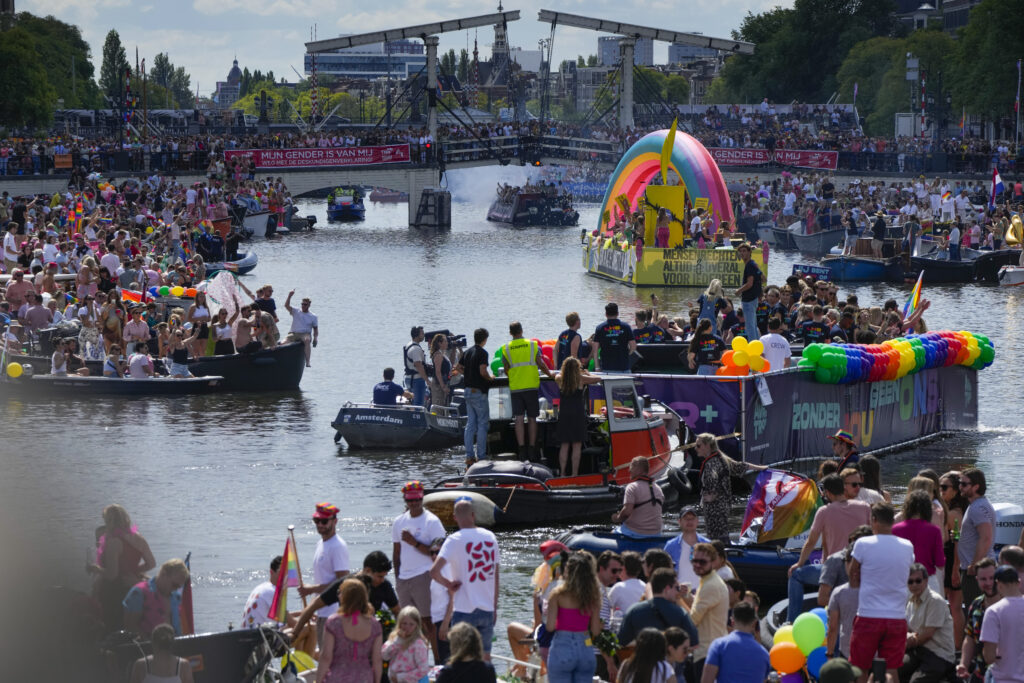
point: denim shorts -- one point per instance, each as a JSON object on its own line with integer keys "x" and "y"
{"x": 481, "y": 620}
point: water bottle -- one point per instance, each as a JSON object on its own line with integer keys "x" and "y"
{"x": 956, "y": 530}
{"x": 773, "y": 677}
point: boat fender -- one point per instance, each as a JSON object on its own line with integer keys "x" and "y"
{"x": 679, "y": 481}
{"x": 442, "y": 504}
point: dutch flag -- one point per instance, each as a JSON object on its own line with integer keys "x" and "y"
{"x": 997, "y": 187}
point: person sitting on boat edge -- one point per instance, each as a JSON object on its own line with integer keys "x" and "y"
{"x": 140, "y": 365}
{"x": 386, "y": 393}
{"x": 112, "y": 366}
{"x": 642, "y": 502}
{"x": 155, "y": 601}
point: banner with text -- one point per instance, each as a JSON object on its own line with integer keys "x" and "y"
{"x": 323, "y": 156}
{"x": 802, "y": 158}
{"x": 879, "y": 414}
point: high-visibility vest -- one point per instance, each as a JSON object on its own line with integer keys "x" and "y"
{"x": 522, "y": 365}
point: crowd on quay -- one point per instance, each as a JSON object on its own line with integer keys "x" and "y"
{"x": 87, "y": 260}
{"x": 919, "y": 585}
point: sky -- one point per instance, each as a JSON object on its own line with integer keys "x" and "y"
{"x": 205, "y": 36}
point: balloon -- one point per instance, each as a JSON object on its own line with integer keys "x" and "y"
{"x": 822, "y": 374}
{"x": 795, "y": 677}
{"x": 786, "y": 658}
{"x": 14, "y": 370}
{"x": 816, "y": 660}
{"x": 149, "y": 230}
{"x": 767, "y": 366}
{"x": 783, "y": 635}
{"x": 164, "y": 291}
{"x": 496, "y": 366}
{"x": 191, "y": 292}
{"x": 499, "y": 352}
{"x": 821, "y": 614}
{"x": 739, "y": 343}
{"x": 727, "y": 358}
{"x": 757, "y": 363}
{"x": 755, "y": 348}
{"x": 547, "y": 354}
{"x": 806, "y": 363}
{"x": 808, "y": 632}
{"x": 813, "y": 352}
{"x": 153, "y": 290}
{"x": 740, "y": 358}
{"x": 177, "y": 290}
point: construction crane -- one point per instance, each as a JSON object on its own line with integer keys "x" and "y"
{"x": 629, "y": 33}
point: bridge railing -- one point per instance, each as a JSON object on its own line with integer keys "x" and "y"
{"x": 530, "y": 148}
{"x": 503, "y": 147}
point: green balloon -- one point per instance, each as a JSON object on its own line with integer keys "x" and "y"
{"x": 499, "y": 352}
{"x": 496, "y": 366}
{"x": 808, "y": 632}
{"x": 164, "y": 291}
{"x": 823, "y": 375}
{"x": 806, "y": 363}
{"x": 988, "y": 354}
{"x": 813, "y": 352}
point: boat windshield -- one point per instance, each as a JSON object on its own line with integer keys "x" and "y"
{"x": 625, "y": 403}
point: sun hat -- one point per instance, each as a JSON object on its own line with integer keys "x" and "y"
{"x": 412, "y": 490}
{"x": 844, "y": 436}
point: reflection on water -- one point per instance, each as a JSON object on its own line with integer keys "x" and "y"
{"x": 224, "y": 476}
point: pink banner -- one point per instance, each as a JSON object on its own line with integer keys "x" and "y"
{"x": 323, "y": 156}
{"x": 802, "y": 158}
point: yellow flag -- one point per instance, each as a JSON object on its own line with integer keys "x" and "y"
{"x": 666, "y": 151}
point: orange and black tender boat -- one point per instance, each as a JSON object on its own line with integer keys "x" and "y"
{"x": 622, "y": 425}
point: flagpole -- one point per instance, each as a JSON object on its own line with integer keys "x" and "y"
{"x": 291, "y": 532}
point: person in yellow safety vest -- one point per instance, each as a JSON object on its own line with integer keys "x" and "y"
{"x": 523, "y": 364}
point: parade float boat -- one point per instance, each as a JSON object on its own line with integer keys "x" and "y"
{"x": 401, "y": 426}
{"x": 345, "y": 204}
{"x": 818, "y": 243}
{"x": 508, "y": 492}
{"x": 533, "y": 209}
{"x": 73, "y": 386}
{"x": 608, "y": 254}
{"x": 937, "y": 266}
{"x": 853, "y": 268}
{"x": 245, "y": 263}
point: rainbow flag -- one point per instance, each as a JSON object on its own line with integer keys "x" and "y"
{"x": 129, "y": 295}
{"x": 784, "y": 503}
{"x": 915, "y": 297}
{"x": 287, "y": 577}
{"x": 947, "y": 195}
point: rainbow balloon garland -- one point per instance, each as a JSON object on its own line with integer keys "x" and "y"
{"x": 896, "y": 358}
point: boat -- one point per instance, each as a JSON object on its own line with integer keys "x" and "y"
{"x": 782, "y": 237}
{"x": 530, "y": 493}
{"x": 401, "y": 426}
{"x": 236, "y": 655}
{"x": 778, "y": 614}
{"x": 818, "y": 243}
{"x": 1011, "y": 276}
{"x": 276, "y": 369}
{"x": 532, "y": 209}
{"x": 850, "y": 268}
{"x": 245, "y": 263}
{"x": 76, "y": 386}
{"x": 766, "y": 233}
{"x": 382, "y": 194}
{"x": 345, "y": 204}
{"x": 763, "y": 567}
{"x": 987, "y": 263}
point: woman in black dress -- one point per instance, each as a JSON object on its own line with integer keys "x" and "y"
{"x": 572, "y": 413}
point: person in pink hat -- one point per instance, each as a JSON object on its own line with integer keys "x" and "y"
{"x": 411, "y": 536}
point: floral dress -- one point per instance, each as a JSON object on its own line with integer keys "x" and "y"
{"x": 351, "y": 660}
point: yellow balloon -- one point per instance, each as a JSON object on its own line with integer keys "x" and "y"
{"x": 756, "y": 362}
{"x": 177, "y": 291}
{"x": 739, "y": 343}
{"x": 149, "y": 230}
{"x": 14, "y": 370}
{"x": 784, "y": 635}
{"x": 755, "y": 348}
{"x": 740, "y": 358}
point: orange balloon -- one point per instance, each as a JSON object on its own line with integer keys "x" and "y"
{"x": 787, "y": 658}
{"x": 727, "y": 358}
{"x": 767, "y": 366}
{"x": 191, "y": 292}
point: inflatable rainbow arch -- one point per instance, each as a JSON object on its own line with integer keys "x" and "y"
{"x": 690, "y": 161}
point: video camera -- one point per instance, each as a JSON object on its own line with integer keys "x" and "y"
{"x": 454, "y": 340}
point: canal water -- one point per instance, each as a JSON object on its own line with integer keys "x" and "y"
{"x": 223, "y": 477}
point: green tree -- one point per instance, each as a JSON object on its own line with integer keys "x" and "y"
{"x": 181, "y": 88}
{"x": 464, "y": 66}
{"x": 580, "y": 61}
{"x": 245, "y": 83}
{"x": 448, "y": 63}
{"x": 26, "y": 96}
{"x": 115, "y": 63}
{"x": 592, "y": 60}
{"x": 984, "y": 71}
{"x": 162, "y": 69}
{"x": 65, "y": 56}
{"x": 868, "y": 65}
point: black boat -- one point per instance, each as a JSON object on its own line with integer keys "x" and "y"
{"x": 987, "y": 263}
{"x": 74, "y": 385}
{"x": 402, "y": 426}
{"x": 276, "y": 369}
{"x": 941, "y": 270}
{"x": 523, "y": 209}
{"x": 514, "y": 493}
{"x": 764, "y": 568}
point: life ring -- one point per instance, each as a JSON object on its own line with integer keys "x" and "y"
{"x": 679, "y": 481}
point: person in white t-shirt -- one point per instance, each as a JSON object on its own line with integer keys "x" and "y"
{"x": 475, "y": 559}
{"x": 411, "y": 535}
{"x": 881, "y": 563}
{"x": 330, "y": 561}
{"x": 628, "y": 591}
{"x": 1002, "y": 629}
{"x": 305, "y": 327}
{"x": 776, "y": 347}
{"x": 257, "y": 606}
{"x": 140, "y": 365}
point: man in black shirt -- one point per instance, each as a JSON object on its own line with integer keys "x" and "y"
{"x": 614, "y": 339}
{"x": 750, "y": 291}
{"x": 478, "y": 380}
{"x": 878, "y": 234}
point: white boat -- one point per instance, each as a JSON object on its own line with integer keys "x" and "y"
{"x": 255, "y": 224}
{"x": 1011, "y": 276}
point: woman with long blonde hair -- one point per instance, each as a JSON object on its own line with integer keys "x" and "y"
{"x": 406, "y": 651}
{"x": 574, "y": 617}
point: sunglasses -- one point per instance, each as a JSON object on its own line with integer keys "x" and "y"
{"x": 320, "y": 522}
{"x": 965, "y": 483}
{"x": 914, "y": 582}
{"x": 854, "y": 484}
{"x": 945, "y": 487}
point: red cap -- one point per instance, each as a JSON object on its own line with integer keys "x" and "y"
{"x": 552, "y": 547}
{"x": 325, "y": 511}
{"x": 412, "y": 490}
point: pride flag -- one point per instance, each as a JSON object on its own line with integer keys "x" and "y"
{"x": 915, "y": 297}
{"x": 130, "y": 295}
{"x": 287, "y": 577}
{"x": 784, "y": 503}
